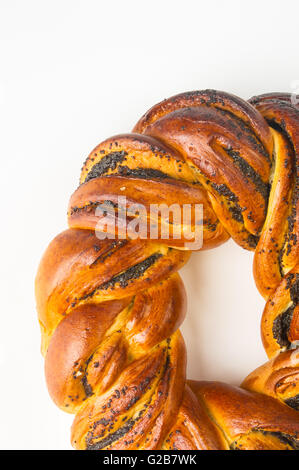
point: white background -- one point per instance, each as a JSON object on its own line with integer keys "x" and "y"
{"x": 74, "y": 73}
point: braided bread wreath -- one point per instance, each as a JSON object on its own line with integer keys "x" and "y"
{"x": 110, "y": 310}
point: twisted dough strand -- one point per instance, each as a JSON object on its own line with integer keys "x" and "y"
{"x": 110, "y": 309}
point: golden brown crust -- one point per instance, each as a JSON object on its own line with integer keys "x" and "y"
{"x": 73, "y": 343}
{"x": 78, "y": 268}
{"x": 110, "y": 309}
{"x": 239, "y": 413}
{"x": 278, "y": 378}
{"x": 142, "y": 405}
{"x": 194, "y": 428}
{"x": 280, "y": 325}
{"x": 278, "y": 249}
{"x": 214, "y": 99}
{"x": 228, "y": 157}
{"x": 89, "y": 196}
